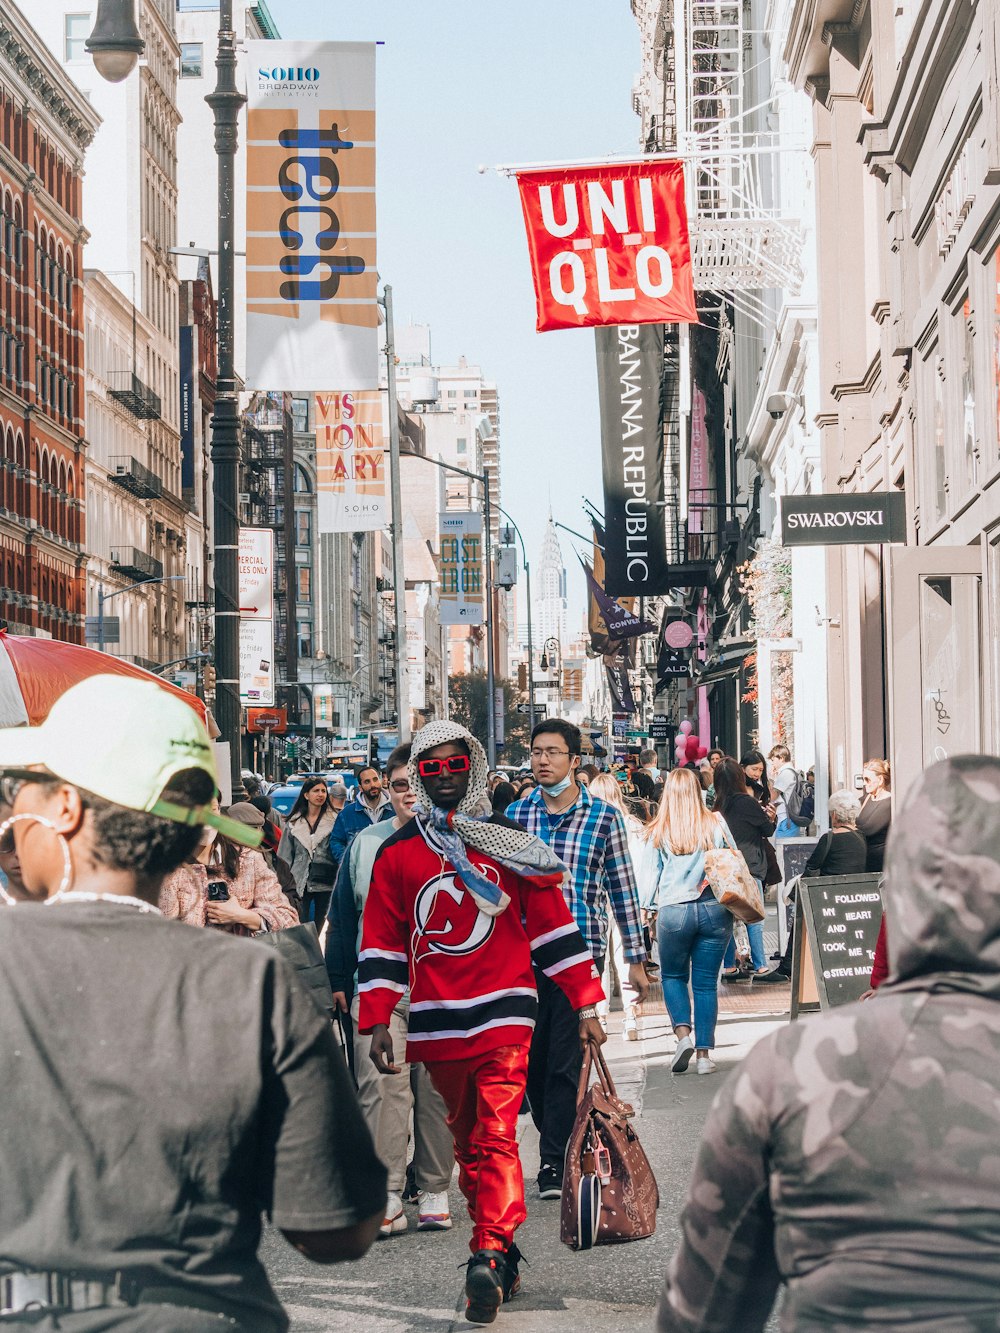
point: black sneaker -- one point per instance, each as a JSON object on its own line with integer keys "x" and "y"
{"x": 485, "y": 1285}
{"x": 776, "y": 977}
{"x": 410, "y": 1192}
{"x": 549, "y": 1182}
{"x": 511, "y": 1277}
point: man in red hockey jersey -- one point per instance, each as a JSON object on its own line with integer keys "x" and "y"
{"x": 461, "y": 902}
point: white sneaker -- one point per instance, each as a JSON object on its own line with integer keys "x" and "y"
{"x": 705, "y": 1065}
{"x": 434, "y": 1214}
{"x": 682, "y": 1055}
{"x": 630, "y": 1030}
{"x": 395, "y": 1218}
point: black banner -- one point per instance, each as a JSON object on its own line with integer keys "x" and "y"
{"x": 843, "y": 520}
{"x": 629, "y": 381}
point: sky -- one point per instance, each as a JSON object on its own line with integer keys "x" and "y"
{"x": 463, "y": 84}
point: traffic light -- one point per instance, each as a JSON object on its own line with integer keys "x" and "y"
{"x": 209, "y": 678}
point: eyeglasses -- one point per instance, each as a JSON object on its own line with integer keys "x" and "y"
{"x": 400, "y": 786}
{"x": 14, "y": 779}
{"x": 433, "y": 768}
{"x": 548, "y": 754}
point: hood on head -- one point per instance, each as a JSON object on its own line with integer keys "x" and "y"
{"x": 942, "y": 885}
{"x": 476, "y": 800}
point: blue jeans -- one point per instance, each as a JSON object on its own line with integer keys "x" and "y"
{"x": 693, "y": 939}
{"x": 758, "y": 957}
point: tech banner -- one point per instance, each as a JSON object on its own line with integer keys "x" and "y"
{"x": 609, "y": 244}
{"x": 629, "y": 379}
{"x": 312, "y": 317}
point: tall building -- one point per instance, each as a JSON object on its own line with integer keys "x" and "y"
{"x": 47, "y": 127}
{"x": 460, "y": 410}
{"x": 906, "y": 142}
{"x": 549, "y": 613}
{"x": 130, "y": 210}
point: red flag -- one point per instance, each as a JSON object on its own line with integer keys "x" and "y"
{"x": 609, "y": 245}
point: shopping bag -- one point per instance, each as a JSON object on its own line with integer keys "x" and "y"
{"x": 609, "y": 1192}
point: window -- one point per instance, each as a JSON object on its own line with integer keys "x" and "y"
{"x": 192, "y": 60}
{"x": 303, "y": 527}
{"x": 304, "y": 584}
{"x": 970, "y": 448}
{"x": 470, "y": 393}
{"x": 305, "y": 635}
{"x": 300, "y": 414}
{"x": 462, "y": 446}
{"x": 77, "y": 30}
{"x": 452, "y": 393}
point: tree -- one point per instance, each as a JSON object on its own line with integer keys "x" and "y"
{"x": 468, "y": 699}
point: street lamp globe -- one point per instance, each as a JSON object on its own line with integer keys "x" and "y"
{"x": 115, "y": 42}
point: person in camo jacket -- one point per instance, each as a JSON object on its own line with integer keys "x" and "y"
{"x": 853, "y": 1156}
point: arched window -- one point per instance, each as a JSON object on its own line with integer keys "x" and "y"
{"x": 303, "y": 484}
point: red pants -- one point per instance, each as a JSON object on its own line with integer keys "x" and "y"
{"x": 483, "y": 1096}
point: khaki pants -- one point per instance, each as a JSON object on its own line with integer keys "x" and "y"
{"x": 386, "y": 1102}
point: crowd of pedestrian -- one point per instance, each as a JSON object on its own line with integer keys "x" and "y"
{"x": 474, "y": 926}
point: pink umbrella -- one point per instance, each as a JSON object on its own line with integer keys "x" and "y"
{"x": 34, "y": 672}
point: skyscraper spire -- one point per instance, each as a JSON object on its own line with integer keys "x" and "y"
{"x": 550, "y": 608}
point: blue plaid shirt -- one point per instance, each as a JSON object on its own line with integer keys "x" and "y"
{"x": 590, "y": 838}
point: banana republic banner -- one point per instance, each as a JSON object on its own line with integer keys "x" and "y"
{"x": 629, "y": 376}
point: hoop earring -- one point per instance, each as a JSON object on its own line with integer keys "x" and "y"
{"x": 67, "y": 879}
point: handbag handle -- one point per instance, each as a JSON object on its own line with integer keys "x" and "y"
{"x": 593, "y": 1056}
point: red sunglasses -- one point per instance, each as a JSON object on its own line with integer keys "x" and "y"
{"x": 433, "y": 768}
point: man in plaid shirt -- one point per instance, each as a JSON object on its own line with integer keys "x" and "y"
{"x": 589, "y": 837}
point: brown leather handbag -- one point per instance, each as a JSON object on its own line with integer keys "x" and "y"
{"x": 609, "y": 1192}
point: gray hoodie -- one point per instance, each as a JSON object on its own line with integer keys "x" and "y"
{"x": 855, "y": 1156}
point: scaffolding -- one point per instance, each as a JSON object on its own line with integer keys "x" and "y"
{"x": 740, "y": 243}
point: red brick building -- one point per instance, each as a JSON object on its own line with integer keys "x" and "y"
{"x": 45, "y": 126}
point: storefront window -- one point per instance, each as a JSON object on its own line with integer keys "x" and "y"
{"x": 934, "y": 448}
{"x": 951, "y": 714}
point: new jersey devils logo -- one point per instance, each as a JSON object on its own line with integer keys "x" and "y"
{"x": 447, "y": 918}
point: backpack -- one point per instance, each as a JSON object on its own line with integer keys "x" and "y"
{"x": 800, "y": 803}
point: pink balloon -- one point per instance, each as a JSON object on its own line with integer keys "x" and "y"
{"x": 686, "y": 728}
{"x": 702, "y": 751}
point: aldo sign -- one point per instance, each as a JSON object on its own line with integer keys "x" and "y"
{"x": 843, "y": 520}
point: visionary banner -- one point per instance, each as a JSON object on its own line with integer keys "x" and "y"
{"x": 460, "y": 568}
{"x": 352, "y": 487}
{"x": 862, "y": 519}
{"x": 312, "y": 318}
{"x": 609, "y": 244}
{"x": 629, "y": 374}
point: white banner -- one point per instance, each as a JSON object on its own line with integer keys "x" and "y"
{"x": 416, "y": 651}
{"x": 460, "y": 568}
{"x": 352, "y": 487}
{"x": 312, "y": 317}
{"x": 257, "y": 663}
{"x": 256, "y": 566}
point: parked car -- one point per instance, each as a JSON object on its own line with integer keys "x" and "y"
{"x": 284, "y": 796}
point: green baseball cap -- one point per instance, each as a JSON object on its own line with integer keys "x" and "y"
{"x": 123, "y": 740}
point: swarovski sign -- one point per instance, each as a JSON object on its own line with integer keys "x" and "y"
{"x": 843, "y": 520}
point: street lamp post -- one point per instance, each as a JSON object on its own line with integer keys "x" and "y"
{"x": 116, "y": 45}
{"x": 527, "y": 591}
{"x": 103, "y": 597}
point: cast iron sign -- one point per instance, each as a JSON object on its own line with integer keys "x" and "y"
{"x": 843, "y": 520}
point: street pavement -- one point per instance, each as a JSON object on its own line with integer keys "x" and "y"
{"x": 414, "y": 1280}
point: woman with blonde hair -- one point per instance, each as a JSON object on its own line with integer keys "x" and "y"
{"x": 605, "y": 787}
{"x": 875, "y": 815}
{"x": 693, "y": 929}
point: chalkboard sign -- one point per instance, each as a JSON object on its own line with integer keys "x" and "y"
{"x": 839, "y": 916}
{"x": 793, "y": 853}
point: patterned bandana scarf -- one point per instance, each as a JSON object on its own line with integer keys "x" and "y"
{"x": 449, "y": 832}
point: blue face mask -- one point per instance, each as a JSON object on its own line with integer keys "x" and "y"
{"x": 558, "y": 788}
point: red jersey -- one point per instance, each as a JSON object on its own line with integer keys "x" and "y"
{"x": 470, "y": 975}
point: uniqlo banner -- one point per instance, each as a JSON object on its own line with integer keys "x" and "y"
{"x": 629, "y": 375}
{"x": 352, "y": 488}
{"x": 312, "y": 317}
{"x": 609, "y": 245}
